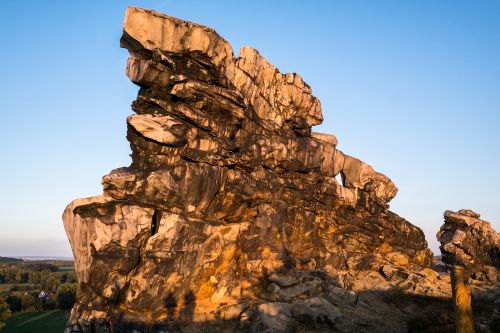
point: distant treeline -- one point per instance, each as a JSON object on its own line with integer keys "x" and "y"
{"x": 29, "y": 272}
{"x": 6, "y": 259}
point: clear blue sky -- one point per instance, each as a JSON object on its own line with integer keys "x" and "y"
{"x": 411, "y": 87}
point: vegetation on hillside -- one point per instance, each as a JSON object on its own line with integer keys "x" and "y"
{"x": 34, "y": 286}
{"x": 4, "y": 311}
{"x": 7, "y": 259}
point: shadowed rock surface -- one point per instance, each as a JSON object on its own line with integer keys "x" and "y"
{"x": 230, "y": 215}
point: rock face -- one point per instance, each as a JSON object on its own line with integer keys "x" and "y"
{"x": 472, "y": 243}
{"x": 230, "y": 209}
{"x": 469, "y": 241}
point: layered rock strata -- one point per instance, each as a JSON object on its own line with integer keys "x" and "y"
{"x": 231, "y": 209}
{"x": 471, "y": 247}
{"x": 468, "y": 241}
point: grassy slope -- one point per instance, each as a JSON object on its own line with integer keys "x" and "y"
{"x": 37, "y": 322}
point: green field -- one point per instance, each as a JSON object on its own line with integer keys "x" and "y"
{"x": 52, "y": 321}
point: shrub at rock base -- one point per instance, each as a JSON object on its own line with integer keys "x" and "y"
{"x": 4, "y": 311}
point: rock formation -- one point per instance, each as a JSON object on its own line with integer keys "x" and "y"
{"x": 470, "y": 242}
{"x": 231, "y": 209}
{"x": 470, "y": 249}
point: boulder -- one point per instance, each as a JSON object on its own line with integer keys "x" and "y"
{"x": 315, "y": 312}
{"x": 275, "y": 318}
{"x": 468, "y": 241}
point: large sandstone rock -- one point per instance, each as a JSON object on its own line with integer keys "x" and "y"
{"x": 230, "y": 209}
{"x": 468, "y": 241}
{"x": 470, "y": 247}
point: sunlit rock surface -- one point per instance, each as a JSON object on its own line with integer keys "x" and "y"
{"x": 468, "y": 241}
{"x": 472, "y": 243}
{"x": 231, "y": 213}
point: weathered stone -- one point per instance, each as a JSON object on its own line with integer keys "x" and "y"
{"x": 282, "y": 280}
{"x": 245, "y": 318}
{"x": 233, "y": 311}
{"x": 315, "y": 311}
{"x": 341, "y": 297}
{"x": 229, "y": 193}
{"x": 468, "y": 241}
{"x": 371, "y": 281}
{"x": 275, "y": 317}
{"x": 163, "y": 130}
{"x": 330, "y": 138}
{"x": 491, "y": 273}
{"x": 273, "y": 287}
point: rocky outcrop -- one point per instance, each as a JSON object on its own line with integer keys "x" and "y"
{"x": 231, "y": 210}
{"x": 468, "y": 241}
{"x": 470, "y": 249}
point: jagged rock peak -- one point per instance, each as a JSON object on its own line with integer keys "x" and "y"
{"x": 227, "y": 98}
{"x": 278, "y": 99}
{"x": 230, "y": 208}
